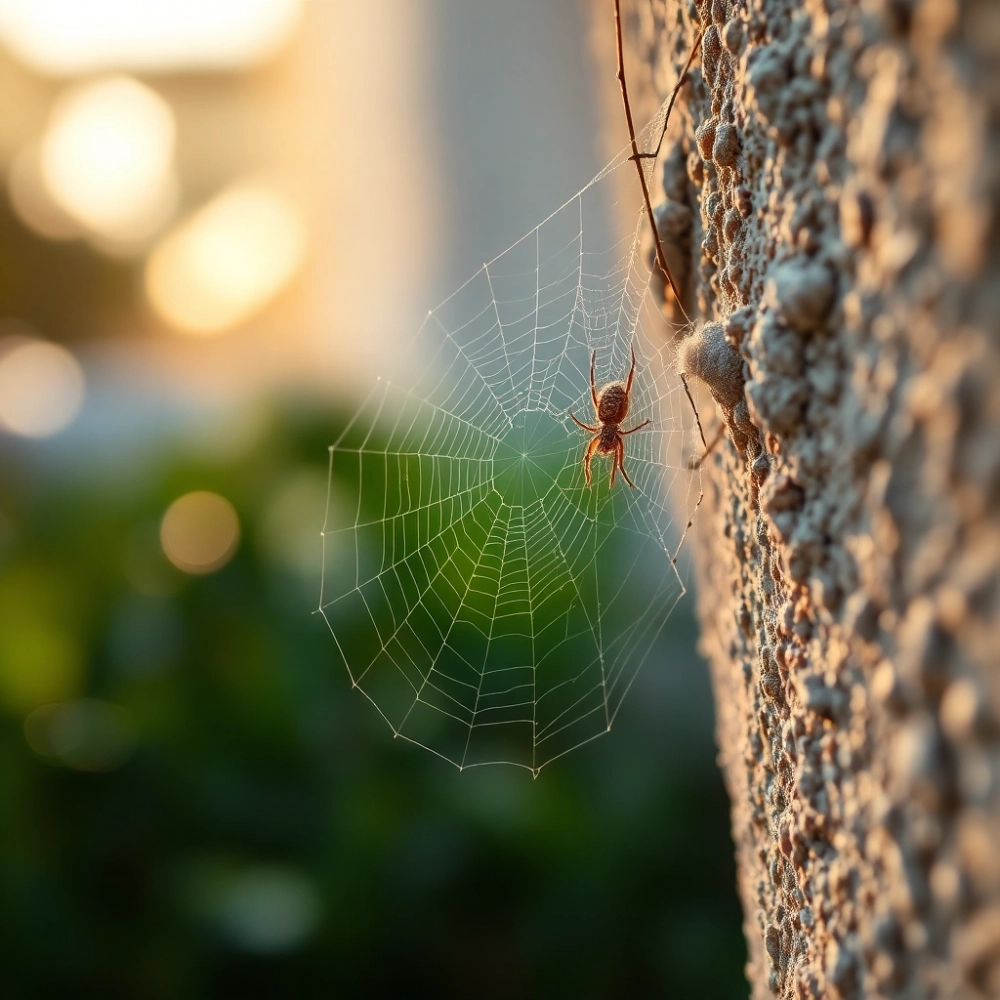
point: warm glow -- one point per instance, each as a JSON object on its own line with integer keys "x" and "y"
{"x": 200, "y": 532}
{"x": 229, "y": 260}
{"x": 71, "y": 37}
{"x": 107, "y": 158}
{"x": 32, "y": 201}
{"x": 41, "y": 387}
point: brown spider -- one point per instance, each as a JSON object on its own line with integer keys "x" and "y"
{"x": 611, "y": 408}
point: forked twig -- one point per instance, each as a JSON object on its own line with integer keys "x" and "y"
{"x": 636, "y": 156}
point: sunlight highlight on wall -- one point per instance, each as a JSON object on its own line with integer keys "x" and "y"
{"x": 107, "y": 158}
{"x": 69, "y": 37}
{"x": 41, "y": 387}
{"x": 226, "y": 262}
{"x": 200, "y": 532}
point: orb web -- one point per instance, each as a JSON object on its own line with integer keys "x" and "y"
{"x": 491, "y": 606}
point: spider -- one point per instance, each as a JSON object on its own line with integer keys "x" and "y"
{"x": 610, "y": 407}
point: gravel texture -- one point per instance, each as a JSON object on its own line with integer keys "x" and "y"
{"x": 831, "y": 204}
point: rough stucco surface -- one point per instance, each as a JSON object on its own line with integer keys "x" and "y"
{"x": 830, "y": 205}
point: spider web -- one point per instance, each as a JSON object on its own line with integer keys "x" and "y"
{"x": 491, "y": 606}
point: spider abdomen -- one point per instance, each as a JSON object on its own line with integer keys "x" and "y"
{"x": 608, "y": 440}
{"x": 612, "y": 403}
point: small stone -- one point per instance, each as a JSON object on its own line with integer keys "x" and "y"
{"x": 824, "y": 590}
{"x": 713, "y": 207}
{"x": 887, "y": 934}
{"x": 801, "y": 291}
{"x": 737, "y": 326}
{"x": 734, "y": 36}
{"x": 977, "y": 946}
{"x": 704, "y": 136}
{"x": 827, "y": 702}
{"x": 711, "y": 50}
{"x": 696, "y": 169}
{"x": 772, "y": 942}
{"x": 917, "y": 762}
{"x": 885, "y": 685}
{"x": 710, "y": 246}
{"x": 857, "y": 216}
{"x": 861, "y": 616}
{"x": 962, "y": 710}
{"x": 767, "y": 76}
{"x": 922, "y": 645}
{"x": 843, "y": 970}
{"x": 760, "y": 468}
{"x": 946, "y": 883}
{"x": 770, "y": 685}
{"x": 952, "y": 608}
{"x": 726, "y": 148}
{"x": 731, "y": 225}
{"x": 977, "y": 836}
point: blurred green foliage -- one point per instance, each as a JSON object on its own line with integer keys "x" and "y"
{"x": 488, "y": 577}
{"x": 220, "y": 815}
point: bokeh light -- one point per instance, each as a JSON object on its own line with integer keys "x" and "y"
{"x": 107, "y": 158}
{"x": 228, "y": 261}
{"x": 267, "y": 909}
{"x": 195, "y": 802}
{"x": 69, "y": 37}
{"x": 41, "y": 387}
{"x": 200, "y": 532}
{"x": 33, "y": 202}
{"x": 87, "y": 734}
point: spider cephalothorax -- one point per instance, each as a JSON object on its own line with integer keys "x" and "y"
{"x": 610, "y": 408}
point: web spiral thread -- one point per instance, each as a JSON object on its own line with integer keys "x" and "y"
{"x": 491, "y": 606}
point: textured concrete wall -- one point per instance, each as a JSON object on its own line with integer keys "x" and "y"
{"x": 832, "y": 190}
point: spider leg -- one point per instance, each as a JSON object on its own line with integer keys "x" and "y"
{"x": 614, "y": 467}
{"x": 588, "y": 455}
{"x": 593, "y": 388}
{"x": 638, "y": 427}
{"x": 621, "y": 462}
{"x": 586, "y": 427}
{"x": 631, "y": 372}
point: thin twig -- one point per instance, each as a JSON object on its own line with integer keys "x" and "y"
{"x": 673, "y": 97}
{"x": 697, "y": 419}
{"x": 636, "y": 156}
